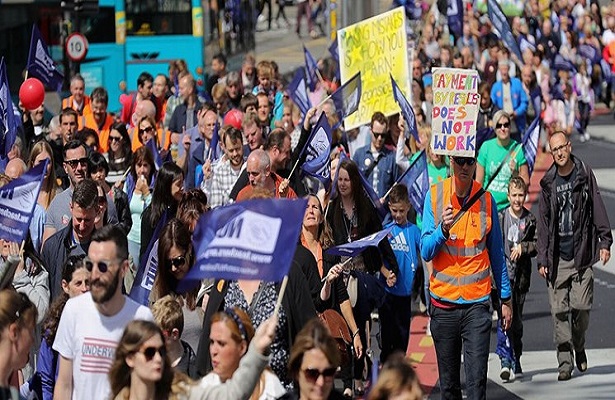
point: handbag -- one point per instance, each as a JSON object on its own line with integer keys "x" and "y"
{"x": 336, "y": 324}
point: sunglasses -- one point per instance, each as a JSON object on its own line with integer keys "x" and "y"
{"x": 150, "y": 352}
{"x": 177, "y": 261}
{"x": 312, "y": 374}
{"x": 73, "y": 163}
{"x": 379, "y": 135}
{"x": 504, "y": 125}
{"x": 461, "y": 161}
{"x": 115, "y": 138}
{"x": 103, "y": 266}
{"x": 147, "y": 129}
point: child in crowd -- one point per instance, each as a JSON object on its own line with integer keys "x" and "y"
{"x": 396, "y": 309}
{"x": 519, "y": 238}
{"x": 169, "y": 316}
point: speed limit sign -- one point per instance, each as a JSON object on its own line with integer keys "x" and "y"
{"x": 76, "y": 47}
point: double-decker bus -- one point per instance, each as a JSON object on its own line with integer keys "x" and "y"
{"x": 126, "y": 37}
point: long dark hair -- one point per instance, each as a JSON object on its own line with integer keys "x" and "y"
{"x": 126, "y": 144}
{"x": 361, "y": 202}
{"x": 161, "y": 197}
{"x": 174, "y": 234}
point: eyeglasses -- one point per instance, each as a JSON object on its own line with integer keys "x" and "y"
{"x": 312, "y": 374}
{"x": 177, "y": 261}
{"x": 504, "y": 125}
{"x": 115, "y": 138}
{"x": 461, "y": 161}
{"x": 559, "y": 148}
{"x": 73, "y": 163}
{"x": 150, "y": 352}
{"x": 147, "y": 129}
{"x": 103, "y": 266}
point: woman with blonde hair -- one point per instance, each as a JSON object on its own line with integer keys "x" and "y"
{"x": 397, "y": 380}
{"x": 142, "y": 369}
{"x": 40, "y": 152}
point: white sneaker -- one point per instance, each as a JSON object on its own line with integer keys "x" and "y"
{"x": 505, "y": 373}
{"x": 261, "y": 18}
{"x": 586, "y": 136}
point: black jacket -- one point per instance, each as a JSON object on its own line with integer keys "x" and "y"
{"x": 591, "y": 223}
{"x": 297, "y": 304}
{"x": 521, "y": 281}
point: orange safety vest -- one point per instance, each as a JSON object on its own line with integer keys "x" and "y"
{"x": 68, "y": 103}
{"x": 103, "y": 133}
{"x": 461, "y": 269}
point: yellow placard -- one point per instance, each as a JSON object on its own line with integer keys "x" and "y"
{"x": 377, "y": 47}
{"x": 197, "y": 21}
{"x": 120, "y": 27}
{"x": 455, "y": 109}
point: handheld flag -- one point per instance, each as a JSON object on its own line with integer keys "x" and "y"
{"x": 40, "y": 64}
{"x": 158, "y": 159}
{"x": 317, "y": 151}
{"x": 353, "y": 248}
{"x": 17, "y": 201}
{"x": 373, "y": 197}
{"x": 530, "y": 144}
{"x": 311, "y": 69}
{"x": 254, "y": 239}
{"x": 454, "y": 13}
{"x": 335, "y": 53}
{"x": 297, "y": 91}
{"x": 214, "y": 148}
{"x": 417, "y": 182}
{"x": 347, "y": 97}
{"x": 406, "y": 110}
{"x": 8, "y": 121}
{"x": 500, "y": 23}
{"x": 148, "y": 267}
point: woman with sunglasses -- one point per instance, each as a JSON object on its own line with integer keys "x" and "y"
{"x": 17, "y": 326}
{"x": 313, "y": 362}
{"x": 147, "y": 131}
{"x": 119, "y": 155}
{"x": 75, "y": 281}
{"x": 230, "y": 336}
{"x": 499, "y": 159}
{"x": 142, "y": 369}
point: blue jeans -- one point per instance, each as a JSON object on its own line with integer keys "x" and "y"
{"x": 467, "y": 328}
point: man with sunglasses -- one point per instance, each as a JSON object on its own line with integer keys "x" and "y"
{"x": 377, "y": 162}
{"x": 76, "y": 167}
{"x": 87, "y": 349}
{"x": 573, "y": 234}
{"x": 462, "y": 237}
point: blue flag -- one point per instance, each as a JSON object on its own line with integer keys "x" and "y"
{"x": 214, "y": 148}
{"x": 158, "y": 159}
{"x": 563, "y": 64}
{"x": 40, "y": 64}
{"x": 354, "y": 248}
{"x": 297, "y": 91}
{"x": 482, "y": 135}
{"x": 589, "y": 52}
{"x": 373, "y": 197}
{"x": 17, "y": 201}
{"x": 317, "y": 151}
{"x": 335, "y": 53}
{"x": 500, "y": 23}
{"x": 530, "y": 144}
{"x": 417, "y": 182}
{"x": 311, "y": 69}
{"x": 406, "y": 110}
{"x": 9, "y": 123}
{"x": 148, "y": 267}
{"x": 347, "y": 97}
{"x": 253, "y": 239}
{"x": 454, "y": 13}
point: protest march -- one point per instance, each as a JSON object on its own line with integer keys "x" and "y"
{"x": 248, "y": 233}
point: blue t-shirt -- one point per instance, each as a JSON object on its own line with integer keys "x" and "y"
{"x": 405, "y": 241}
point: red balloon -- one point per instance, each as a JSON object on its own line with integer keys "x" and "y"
{"x": 233, "y": 117}
{"x": 32, "y": 93}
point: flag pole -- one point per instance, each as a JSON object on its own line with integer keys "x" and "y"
{"x": 403, "y": 175}
{"x": 342, "y": 264}
{"x": 278, "y": 303}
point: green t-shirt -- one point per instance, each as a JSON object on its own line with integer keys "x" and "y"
{"x": 490, "y": 156}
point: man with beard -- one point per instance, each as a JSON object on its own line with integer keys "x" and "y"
{"x": 226, "y": 172}
{"x": 260, "y": 175}
{"x": 76, "y": 167}
{"x": 87, "y": 348}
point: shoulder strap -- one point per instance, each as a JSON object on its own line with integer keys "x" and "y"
{"x": 256, "y": 298}
{"x": 504, "y": 161}
{"x": 373, "y": 165}
{"x": 468, "y": 204}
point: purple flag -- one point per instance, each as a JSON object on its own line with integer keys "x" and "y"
{"x": 297, "y": 91}
{"x": 214, "y": 148}
{"x": 311, "y": 69}
{"x": 417, "y": 182}
{"x": 530, "y": 144}
{"x": 317, "y": 151}
{"x": 40, "y": 64}
{"x": 353, "y": 248}
{"x": 253, "y": 239}
{"x": 347, "y": 97}
{"x": 406, "y": 110}
{"x": 454, "y": 13}
{"x": 9, "y": 123}
{"x": 500, "y": 23}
